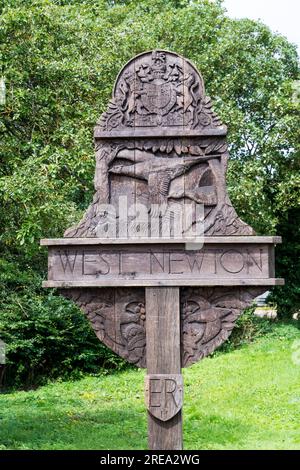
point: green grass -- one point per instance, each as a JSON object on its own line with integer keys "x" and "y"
{"x": 245, "y": 399}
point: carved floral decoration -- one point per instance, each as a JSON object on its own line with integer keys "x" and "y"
{"x": 208, "y": 317}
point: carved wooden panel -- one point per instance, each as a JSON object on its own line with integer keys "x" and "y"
{"x": 159, "y": 142}
{"x": 159, "y": 264}
{"x": 159, "y": 89}
{"x": 164, "y": 395}
{"x": 163, "y": 171}
{"x": 208, "y": 318}
{"x": 118, "y": 317}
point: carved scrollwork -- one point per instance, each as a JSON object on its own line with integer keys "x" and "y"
{"x": 159, "y": 89}
{"x": 117, "y": 320}
{"x": 159, "y": 144}
{"x": 155, "y": 168}
{"x": 132, "y": 326}
{"x": 208, "y": 316}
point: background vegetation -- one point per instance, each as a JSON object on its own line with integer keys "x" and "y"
{"x": 246, "y": 399}
{"x": 58, "y": 62}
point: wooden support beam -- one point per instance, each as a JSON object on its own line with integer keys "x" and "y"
{"x": 163, "y": 357}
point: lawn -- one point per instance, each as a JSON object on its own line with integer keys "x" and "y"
{"x": 245, "y": 399}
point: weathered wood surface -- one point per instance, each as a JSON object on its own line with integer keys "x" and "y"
{"x": 160, "y": 142}
{"x": 160, "y": 263}
{"x": 163, "y": 357}
{"x": 154, "y": 241}
{"x": 164, "y": 395}
{"x": 119, "y": 315}
{"x": 135, "y": 132}
{"x": 164, "y": 283}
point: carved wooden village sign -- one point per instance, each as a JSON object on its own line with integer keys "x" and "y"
{"x": 153, "y": 294}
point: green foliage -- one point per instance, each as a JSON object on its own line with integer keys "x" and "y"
{"x": 46, "y": 336}
{"x": 247, "y": 329}
{"x": 59, "y": 59}
{"x": 239, "y": 400}
{"x": 287, "y": 298}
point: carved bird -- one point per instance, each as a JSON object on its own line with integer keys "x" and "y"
{"x": 203, "y": 325}
{"x": 156, "y": 170}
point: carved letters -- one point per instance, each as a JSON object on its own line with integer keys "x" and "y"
{"x": 88, "y": 264}
{"x": 164, "y": 395}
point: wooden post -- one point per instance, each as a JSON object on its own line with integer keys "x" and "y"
{"x": 163, "y": 357}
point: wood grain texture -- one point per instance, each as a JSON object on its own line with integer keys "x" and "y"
{"x": 162, "y": 132}
{"x": 208, "y": 316}
{"x": 93, "y": 265}
{"x": 160, "y": 142}
{"x": 164, "y": 395}
{"x": 156, "y": 241}
{"x": 167, "y": 283}
{"x": 163, "y": 357}
{"x": 118, "y": 317}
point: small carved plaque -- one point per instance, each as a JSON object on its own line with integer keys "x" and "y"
{"x": 164, "y": 395}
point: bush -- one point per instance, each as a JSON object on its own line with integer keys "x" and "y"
{"x": 247, "y": 329}
{"x": 46, "y": 335}
{"x": 287, "y": 297}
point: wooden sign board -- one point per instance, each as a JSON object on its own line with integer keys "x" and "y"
{"x": 153, "y": 294}
{"x": 242, "y": 262}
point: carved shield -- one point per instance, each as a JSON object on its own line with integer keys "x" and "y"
{"x": 159, "y": 98}
{"x": 164, "y": 395}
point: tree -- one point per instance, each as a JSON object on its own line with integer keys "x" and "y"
{"x": 59, "y": 60}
